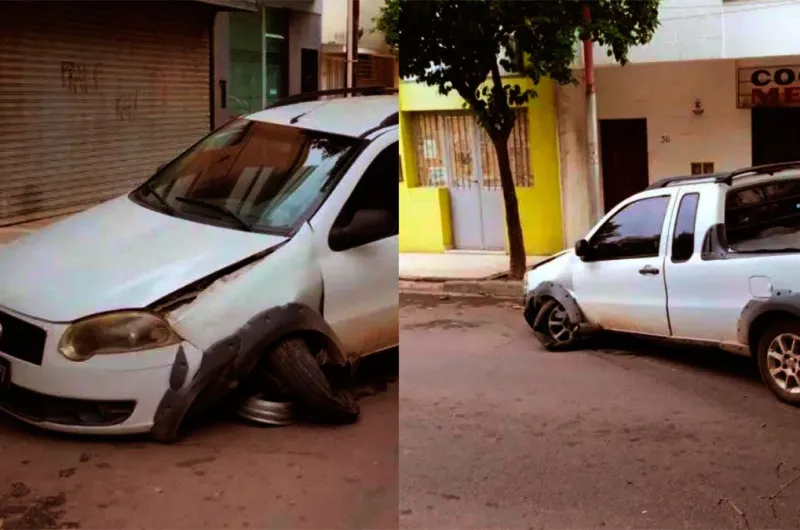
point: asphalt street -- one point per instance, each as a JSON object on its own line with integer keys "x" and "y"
{"x": 497, "y": 433}
{"x": 225, "y": 474}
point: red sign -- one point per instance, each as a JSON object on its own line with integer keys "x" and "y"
{"x": 773, "y": 86}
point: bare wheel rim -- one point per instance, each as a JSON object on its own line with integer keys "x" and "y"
{"x": 559, "y": 326}
{"x": 783, "y": 362}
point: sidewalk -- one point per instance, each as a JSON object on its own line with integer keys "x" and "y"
{"x": 460, "y": 274}
{"x": 456, "y": 266}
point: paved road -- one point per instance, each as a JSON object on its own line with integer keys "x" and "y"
{"x": 225, "y": 475}
{"x": 496, "y": 433}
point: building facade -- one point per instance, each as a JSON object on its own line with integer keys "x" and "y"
{"x": 718, "y": 88}
{"x": 264, "y": 52}
{"x": 95, "y": 96}
{"x": 376, "y": 63}
{"x": 450, "y": 196}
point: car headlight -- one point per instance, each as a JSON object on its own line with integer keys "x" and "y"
{"x": 119, "y": 332}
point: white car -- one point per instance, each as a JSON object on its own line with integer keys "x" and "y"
{"x": 706, "y": 259}
{"x": 272, "y": 239}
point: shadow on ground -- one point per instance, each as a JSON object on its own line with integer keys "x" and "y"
{"x": 707, "y": 359}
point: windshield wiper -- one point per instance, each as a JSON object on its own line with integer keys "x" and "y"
{"x": 217, "y": 208}
{"x": 152, "y": 191}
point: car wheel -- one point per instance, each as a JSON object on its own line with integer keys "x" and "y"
{"x": 297, "y": 370}
{"x": 779, "y": 360}
{"x": 553, "y": 327}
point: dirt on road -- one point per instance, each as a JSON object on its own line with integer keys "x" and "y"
{"x": 497, "y": 433}
{"x": 226, "y": 474}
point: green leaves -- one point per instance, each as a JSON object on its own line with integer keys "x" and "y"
{"x": 388, "y": 22}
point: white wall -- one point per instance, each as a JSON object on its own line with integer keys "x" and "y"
{"x": 761, "y": 28}
{"x": 717, "y": 29}
{"x": 664, "y": 94}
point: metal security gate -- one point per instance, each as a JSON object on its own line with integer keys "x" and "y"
{"x": 454, "y": 151}
{"x": 476, "y": 209}
{"x": 94, "y": 96}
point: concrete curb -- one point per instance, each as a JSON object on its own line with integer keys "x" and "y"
{"x": 503, "y": 289}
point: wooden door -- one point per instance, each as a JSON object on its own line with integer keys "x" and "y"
{"x": 623, "y": 156}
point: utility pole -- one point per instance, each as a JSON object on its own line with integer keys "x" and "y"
{"x": 591, "y": 121}
{"x": 353, "y": 24}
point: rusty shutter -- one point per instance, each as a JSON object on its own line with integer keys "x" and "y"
{"x": 94, "y": 96}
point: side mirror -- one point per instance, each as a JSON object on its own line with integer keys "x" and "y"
{"x": 582, "y": 249}
{"x": 365, "y": 227}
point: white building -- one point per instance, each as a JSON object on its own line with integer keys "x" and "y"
{"x": 717, "y": 88}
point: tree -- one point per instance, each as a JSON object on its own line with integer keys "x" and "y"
{"x": 462, "y": 46}
{"x": 388, "y": 23}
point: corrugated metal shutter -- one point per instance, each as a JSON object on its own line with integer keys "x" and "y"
{"x": 94, "y": 96}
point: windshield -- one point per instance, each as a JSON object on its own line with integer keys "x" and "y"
{"x": 252, "y": 176}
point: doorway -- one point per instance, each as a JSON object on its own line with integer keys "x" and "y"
{"x": 775, "y": 134}
{"x": 623, "y": 158}
{"x": 309, "y": 70}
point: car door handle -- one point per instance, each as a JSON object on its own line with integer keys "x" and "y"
{"x": 647, "y": 269}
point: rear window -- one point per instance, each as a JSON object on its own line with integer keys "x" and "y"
{"x": 764, "y": 217}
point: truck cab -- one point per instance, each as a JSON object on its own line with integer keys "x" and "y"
{"x": 706, "y": 259}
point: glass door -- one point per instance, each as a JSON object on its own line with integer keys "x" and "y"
{"x": 244, "y": 84}
{"x": 259, "y": 57}
{"x": 276, "y": 54}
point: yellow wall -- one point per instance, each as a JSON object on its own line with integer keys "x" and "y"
{"x": 540, "y": 205}
{"x": 425, "y": 218}
{"x": 424, "y": 212}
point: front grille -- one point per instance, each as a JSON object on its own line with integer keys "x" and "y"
{"x": 21, "y": 340}
{"x": 64, "y": 411}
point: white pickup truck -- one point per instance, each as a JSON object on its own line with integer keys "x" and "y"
{"x": 705, "y": 259}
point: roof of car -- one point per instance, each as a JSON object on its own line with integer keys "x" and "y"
{"x": 348, "y": 116}
{"x": 726, "y": 177}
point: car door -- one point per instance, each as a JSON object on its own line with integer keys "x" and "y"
{"x": 705, "y": 298}
{"x": 708, "y": 292}
{"x": 620, "y": 282}
{"x": 361, "y": 280}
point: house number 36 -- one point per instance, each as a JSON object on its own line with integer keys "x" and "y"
{"x": 665, "y": 139}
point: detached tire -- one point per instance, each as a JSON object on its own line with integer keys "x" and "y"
{"x": 297, "y": 370}
{"x": 553, "y": 327}
{"x": 779, "y": 360}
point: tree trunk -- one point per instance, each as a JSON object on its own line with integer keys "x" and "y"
{"x": 516, "y": 246}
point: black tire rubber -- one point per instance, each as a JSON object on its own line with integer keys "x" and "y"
{"x": 298, "y": 371}
{"x": 778, "y": 328}
{"x": 547, "y": 341}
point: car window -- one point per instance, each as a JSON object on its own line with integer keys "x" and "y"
{"x": 764, "y": 217}
{"x": 683, "y": 237}
{"x": 633, "y": 232}
{"x": 377, "y": 189}
{"x": 263, "y": 176}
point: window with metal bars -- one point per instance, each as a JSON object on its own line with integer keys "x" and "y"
{"x": 453, "y": 150}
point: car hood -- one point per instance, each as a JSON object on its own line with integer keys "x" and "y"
{"x": 114, "y": 256}
{"x": 556, "y": 268}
